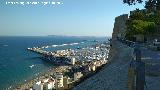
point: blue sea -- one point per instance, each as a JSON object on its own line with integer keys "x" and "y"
{"x": 15, "y": 59}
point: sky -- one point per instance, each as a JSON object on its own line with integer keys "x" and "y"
{"x": 71, "y": 17}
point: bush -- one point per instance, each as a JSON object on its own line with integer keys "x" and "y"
{"x": 140, "y": 27}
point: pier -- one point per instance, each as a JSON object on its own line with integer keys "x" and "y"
{"x": 95, "y": 52}
{"x": 56, "y": 57}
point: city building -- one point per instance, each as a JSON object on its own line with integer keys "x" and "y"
{"x": 59, "y": 80}
{"x": 73, "y": 61}
{"x": 92, "y": 67}
{"x": 50, "y": 85}
{"x": 77, "y": 76}
{"x": 65, "y": 83}
{"x": 38, "y": 86}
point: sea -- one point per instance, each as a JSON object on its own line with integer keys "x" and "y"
{"x": 18, "y": 65}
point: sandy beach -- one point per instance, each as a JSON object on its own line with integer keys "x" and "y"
{"x": 28, "y": 84}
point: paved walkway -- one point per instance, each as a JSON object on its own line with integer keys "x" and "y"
{"x": 154, "y": 55}
{"x": 152, "y": 62}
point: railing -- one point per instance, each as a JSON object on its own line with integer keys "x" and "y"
{"x": 127, "y": 42}
{"x": 136, "y": 72}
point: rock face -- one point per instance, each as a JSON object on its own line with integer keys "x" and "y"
{"x": 118, "y": 31}
{"x": 120, "y": 26}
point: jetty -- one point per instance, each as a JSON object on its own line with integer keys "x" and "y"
{"x": 95, "y": 52}
{"x": 56, "y": 57}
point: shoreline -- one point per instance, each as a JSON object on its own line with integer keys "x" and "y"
{"x": 42, "y": 75}
{"x": 27, "y": 80}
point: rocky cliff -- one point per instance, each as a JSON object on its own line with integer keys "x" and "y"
{"x": 120, "y": 26}
{"x": 118, "y": 31}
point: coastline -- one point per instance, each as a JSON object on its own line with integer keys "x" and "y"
{"x": 46, "y": 74}
{"x": 16, "y": 60}
{"x": 42, "y": 75}
{"x": 29, "y": 83}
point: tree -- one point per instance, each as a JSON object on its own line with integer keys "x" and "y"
{"x": 143, "y": 22}
{"x": 139, "y": 27}
{"x": 137, "y": 15}
{"x": 131, "y": 2}
{"x": 145, "y": 16}
{"x": 158, "y": 5}
{"x": 151, "y": 5}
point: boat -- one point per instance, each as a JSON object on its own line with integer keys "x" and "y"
{"x": 31, "y": 66}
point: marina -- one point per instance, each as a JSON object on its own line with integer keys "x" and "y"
{"x": 97, "y": 51}
{"x": 72, "y": 66}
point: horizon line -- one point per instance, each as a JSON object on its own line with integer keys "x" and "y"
{"x": 52, "y": 35}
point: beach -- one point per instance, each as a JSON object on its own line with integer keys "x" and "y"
{"x": 41, "y": 76}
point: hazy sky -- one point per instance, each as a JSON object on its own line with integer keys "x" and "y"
{"x": 73, "y": 17}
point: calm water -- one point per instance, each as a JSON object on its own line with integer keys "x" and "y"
{"x": 15, "y": 59}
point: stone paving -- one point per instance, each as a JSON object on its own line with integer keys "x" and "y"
{"x": 152, "y": 62}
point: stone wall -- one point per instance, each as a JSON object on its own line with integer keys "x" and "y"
{"x": 118, "y": 31}
{"x": 120, "y": 26}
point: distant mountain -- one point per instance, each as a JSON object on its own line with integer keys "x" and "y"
{"x": 76, "y": 36}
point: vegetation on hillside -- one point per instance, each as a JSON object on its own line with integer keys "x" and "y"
{"x": 143, "y": 22}
{"x": 139, "y": 27}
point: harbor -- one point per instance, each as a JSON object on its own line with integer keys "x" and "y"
{"x": 72, "y": 66}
